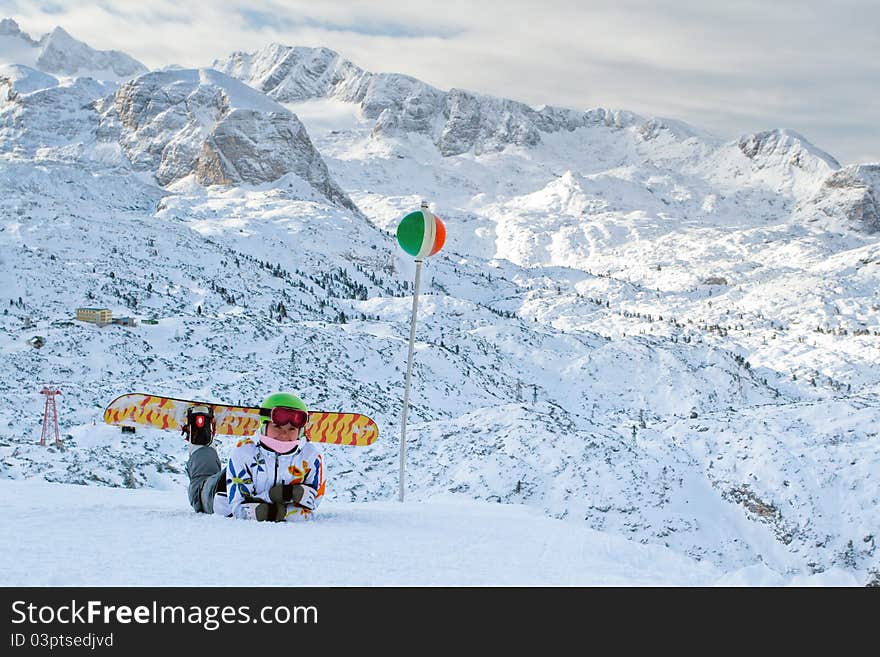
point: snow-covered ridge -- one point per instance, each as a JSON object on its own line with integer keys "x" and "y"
{"x": 461, "y": 121}
{"x": 458, "y": 121}
{"x": 779, "y": 161}
{"x": 60, "y": 54}
{"x": 17, "y": 46}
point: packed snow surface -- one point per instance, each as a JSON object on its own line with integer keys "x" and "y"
{"x": 62, "y": 535}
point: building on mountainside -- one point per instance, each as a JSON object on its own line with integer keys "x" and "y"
{"x": 151, "y": 321}
{"x": 99, "y": 316}
{"x": 125, "y": 321}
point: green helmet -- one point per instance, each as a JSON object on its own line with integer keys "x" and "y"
{"x": 286, "y": 399}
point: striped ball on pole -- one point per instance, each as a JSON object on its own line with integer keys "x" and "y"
{"x": 421, "y": 234}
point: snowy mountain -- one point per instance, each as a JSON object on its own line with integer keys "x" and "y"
{"x": 201, "y": 122}
{"x": 457, "y": 121}
{"x": 460, "y": 122}
{"x": 60, "y": 54}
{"x": 635, "y": 327}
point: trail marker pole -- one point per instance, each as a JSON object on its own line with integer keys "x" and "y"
{"x": 420, "y": 234}
{"x": 409, "y": 363}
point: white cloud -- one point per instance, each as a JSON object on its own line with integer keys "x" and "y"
{"x": 730, "y": 68}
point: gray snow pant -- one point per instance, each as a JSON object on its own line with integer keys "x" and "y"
{"x": 205, "y": 474}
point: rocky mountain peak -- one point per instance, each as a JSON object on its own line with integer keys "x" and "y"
{"x": 59, "y": 53}
{"x": 782, "y": 146}
{"x": 8, "y": 27}
{"x": 458, "y": 120}
{"x": 286, "y": 73}
{"x": 62, "y": 54}
{"x": 179, "y": 122}
{"x": 59, "y": 36}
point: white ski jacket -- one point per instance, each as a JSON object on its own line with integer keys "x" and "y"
{"x": 254, "y": 468}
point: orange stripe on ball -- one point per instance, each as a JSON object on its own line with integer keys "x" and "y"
{"x": 439, "y": 236}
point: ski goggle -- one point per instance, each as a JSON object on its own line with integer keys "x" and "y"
{"x": 280, "y": 415}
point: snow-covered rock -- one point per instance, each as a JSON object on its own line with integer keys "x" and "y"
{"x": 186, "y": 121}
{"x": 787, "y": 148}
{"x": 295, "y": 74}
{"x": 850, "y": 195}
{"x": 54, "y": 121}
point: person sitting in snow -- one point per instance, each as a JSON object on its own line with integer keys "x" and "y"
{"x": 276, "y": 475}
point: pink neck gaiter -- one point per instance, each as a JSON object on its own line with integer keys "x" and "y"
{"x": 280, "y": 446}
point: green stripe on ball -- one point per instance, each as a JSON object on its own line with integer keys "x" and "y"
{"x": 411, "y": 232}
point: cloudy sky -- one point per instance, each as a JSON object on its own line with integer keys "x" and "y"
{"x": 730, "y": 67}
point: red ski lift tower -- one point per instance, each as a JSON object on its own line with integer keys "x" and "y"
{"x": 51, "y": 411}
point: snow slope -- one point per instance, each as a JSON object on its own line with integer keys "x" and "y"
{"x": 446, "y": 541}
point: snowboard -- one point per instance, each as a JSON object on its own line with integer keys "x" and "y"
{"x": 169, "y": 414}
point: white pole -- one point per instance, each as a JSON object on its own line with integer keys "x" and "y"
{"x": 409, "y": 362}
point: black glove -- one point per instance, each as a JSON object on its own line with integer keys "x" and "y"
{"x": 262, "y": 512}
{"x": 298, "y": 494}
{"x": 281, "y": 493}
